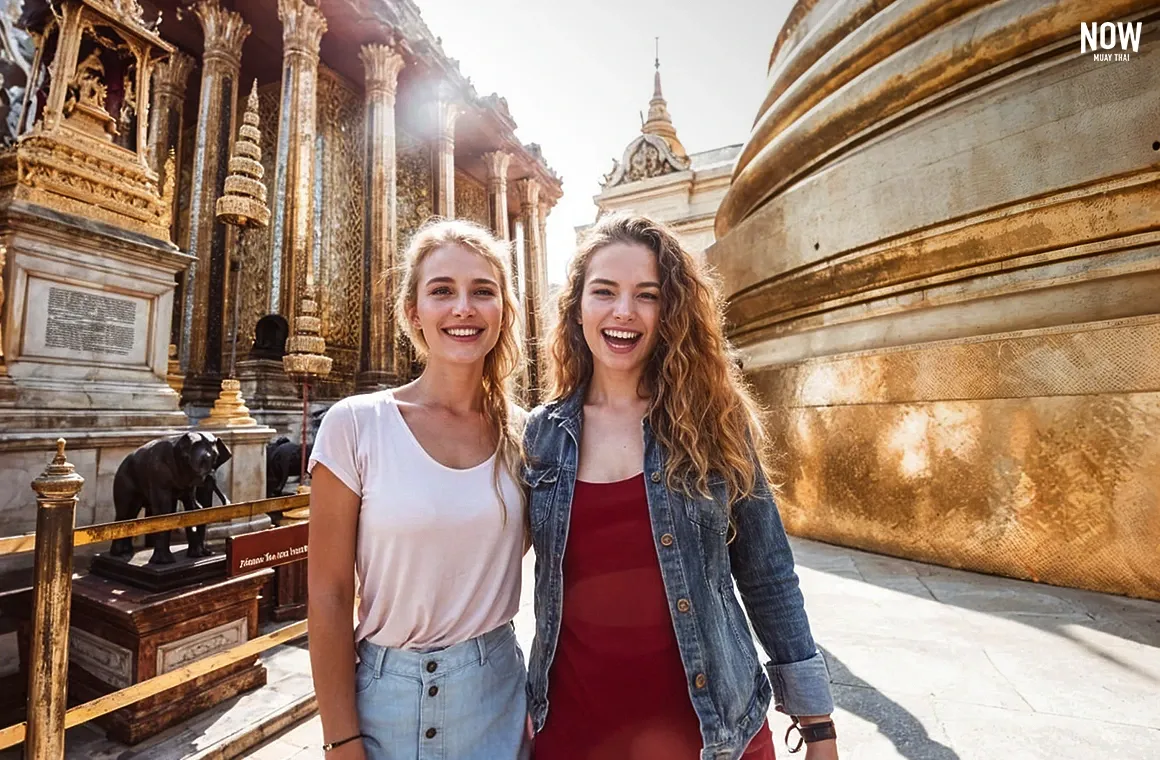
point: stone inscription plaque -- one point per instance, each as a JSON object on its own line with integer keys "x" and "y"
{"x": 71, "y": 322}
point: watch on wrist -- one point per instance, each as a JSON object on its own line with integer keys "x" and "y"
{"x": 811, "y": 733}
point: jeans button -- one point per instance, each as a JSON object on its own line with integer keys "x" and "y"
{"x": 432, "y": 691}
{"x": 432, "y": 666}
{"x": 431, "y": 733}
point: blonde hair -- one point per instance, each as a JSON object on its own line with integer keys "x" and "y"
{"x": 501, "y": 363}
{"x": 701, "y": 409}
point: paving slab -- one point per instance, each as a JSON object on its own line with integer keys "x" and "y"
{"x": 931, "y": 663}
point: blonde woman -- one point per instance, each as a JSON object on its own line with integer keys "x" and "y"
{"x": 413, "y": 490}
{"x": 650, "y": 506}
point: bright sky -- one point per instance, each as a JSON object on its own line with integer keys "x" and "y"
{"x": 577, "y": 76}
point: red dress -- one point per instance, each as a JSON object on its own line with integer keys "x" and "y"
{"x": 617, "y": 689}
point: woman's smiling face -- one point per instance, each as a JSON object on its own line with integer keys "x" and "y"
{"x": 459, "y": 305}
{"x": 620, "y": 307}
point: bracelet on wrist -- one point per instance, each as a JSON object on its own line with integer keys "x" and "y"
{"x": 808, "y": 734}
{"x": 333, "y": 745}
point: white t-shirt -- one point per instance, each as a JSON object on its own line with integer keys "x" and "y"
{"x": 436, "y": 563}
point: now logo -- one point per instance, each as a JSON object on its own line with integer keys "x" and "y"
{"x": 1100, "y": 38}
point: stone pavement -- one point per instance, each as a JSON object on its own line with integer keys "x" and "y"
{"x": 929, "y": 663}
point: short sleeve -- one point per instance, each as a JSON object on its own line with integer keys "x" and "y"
{"x": 336, "y": 446}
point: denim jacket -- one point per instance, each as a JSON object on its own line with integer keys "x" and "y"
{"x": 701, "y": 570}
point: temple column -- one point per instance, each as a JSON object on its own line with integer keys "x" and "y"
{"x": 497, "y": 205}
{"x": 201, "y": 333}
{"x": 533, "y": 323}
{"x": 302, "y": 28}
{"x": 381, "y": 362}
{"x": 446, "y": 113}
{"x": 165, "y": 119}
{"x": 545, "y": 208}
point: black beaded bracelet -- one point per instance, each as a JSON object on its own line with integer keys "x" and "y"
{"x": 814, "y": 732}
{"x": 331, "y": 745}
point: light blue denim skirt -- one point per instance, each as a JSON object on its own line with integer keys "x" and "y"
{"x": 465, "y": 702}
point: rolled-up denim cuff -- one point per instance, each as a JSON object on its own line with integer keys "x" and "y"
{"x": 802, "y": 688}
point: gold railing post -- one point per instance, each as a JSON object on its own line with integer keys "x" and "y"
{"x": 56, "y": 507}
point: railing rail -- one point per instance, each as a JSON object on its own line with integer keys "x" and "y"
{"x": 53, "y": 542}
{"x": 94, "y": 534}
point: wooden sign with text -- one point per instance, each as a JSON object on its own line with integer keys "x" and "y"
{"x": 267, "y": 548}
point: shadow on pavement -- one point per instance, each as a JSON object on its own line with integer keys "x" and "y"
{"x": 894, "y": 721}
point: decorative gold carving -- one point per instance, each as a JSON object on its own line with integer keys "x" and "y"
{"x": 171, "y": 77}
{"x": 302, "y": 28}
{"x": 471, "y": 199}
{"x": 645, "y": 157}
{"x": 224, "y": 31}
{"x": 382, "y": 66}
{"x": 343, "y": 159}
{"x": 413, "y": 161}
{"x": 80, "y": 158}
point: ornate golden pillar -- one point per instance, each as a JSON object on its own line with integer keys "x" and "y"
{"x": 201, "y": 333}
{"x": 170, "y": 79}
{"x": 302, "y": 28}
{"x": 446, "y": 112}
{"x": 497, "y": 205}
{"x": 166, "y": 116}
{"x": 380, "y": 360}
{"x": 530, "y": 221}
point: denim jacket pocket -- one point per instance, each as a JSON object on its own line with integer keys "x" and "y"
{"x": 541, "y": 481}
{"x": 709, "y": 512}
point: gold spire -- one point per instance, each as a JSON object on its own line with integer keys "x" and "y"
{"x": 659, "y": 122}
{"x": 305, "y": 350}
{"x": 244, "y": 201}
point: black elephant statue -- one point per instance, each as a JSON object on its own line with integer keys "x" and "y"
{"x": 161, "y": 473}
{"x": 283, "y": 461}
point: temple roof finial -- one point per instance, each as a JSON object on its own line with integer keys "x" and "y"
{"x": 659, "y": 122}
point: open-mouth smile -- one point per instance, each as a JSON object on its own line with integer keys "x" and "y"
{"x": 463, "y": 334}
{"x": 621, "y": 341}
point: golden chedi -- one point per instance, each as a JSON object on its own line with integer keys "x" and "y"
{"x": 942, "y": 255}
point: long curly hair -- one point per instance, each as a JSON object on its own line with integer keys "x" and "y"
{"x": 701, "y": 409}
{"x": 501, "y": 363}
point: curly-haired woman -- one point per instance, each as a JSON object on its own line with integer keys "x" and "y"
{"x": 414, "y": 490}
{"x": 650, "y": 504}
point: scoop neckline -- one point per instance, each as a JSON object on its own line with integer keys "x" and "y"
{"x": 394, "y": 404}
{"x": 611, "y": 482}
